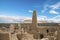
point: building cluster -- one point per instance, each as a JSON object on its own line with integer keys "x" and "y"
{"x": 30, "y": 30}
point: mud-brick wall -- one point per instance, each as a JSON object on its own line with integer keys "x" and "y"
{"x": 4, "y": 36}
{"x": 58, "y": 34}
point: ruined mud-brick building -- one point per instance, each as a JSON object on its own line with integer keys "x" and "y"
{"x": 41, "y": 30}
{"x": 33, "y": 30}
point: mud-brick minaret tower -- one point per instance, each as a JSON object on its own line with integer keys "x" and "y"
{"x": 34, "y": 19}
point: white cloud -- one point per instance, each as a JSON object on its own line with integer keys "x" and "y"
{"x": 55, "y": 6}
{"x": 30, "y": 11}
{"x": 55, "y": 19}
{"x": 19, "y": 19}
{"x": 53, "y": 12}
{"x": 42, "y": 17}
{"x": 45, "y": 8}
{"x": 12, "y": 19}
{"x": 52, "y": 9}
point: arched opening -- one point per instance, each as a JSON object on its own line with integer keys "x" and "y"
{"x": 41, "y": 36}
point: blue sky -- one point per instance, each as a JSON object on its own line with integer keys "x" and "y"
{"x": 18, "y": 10}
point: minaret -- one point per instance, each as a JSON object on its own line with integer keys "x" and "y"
{"x": 33, "y": 28}
{"x": 34, "y": 19}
